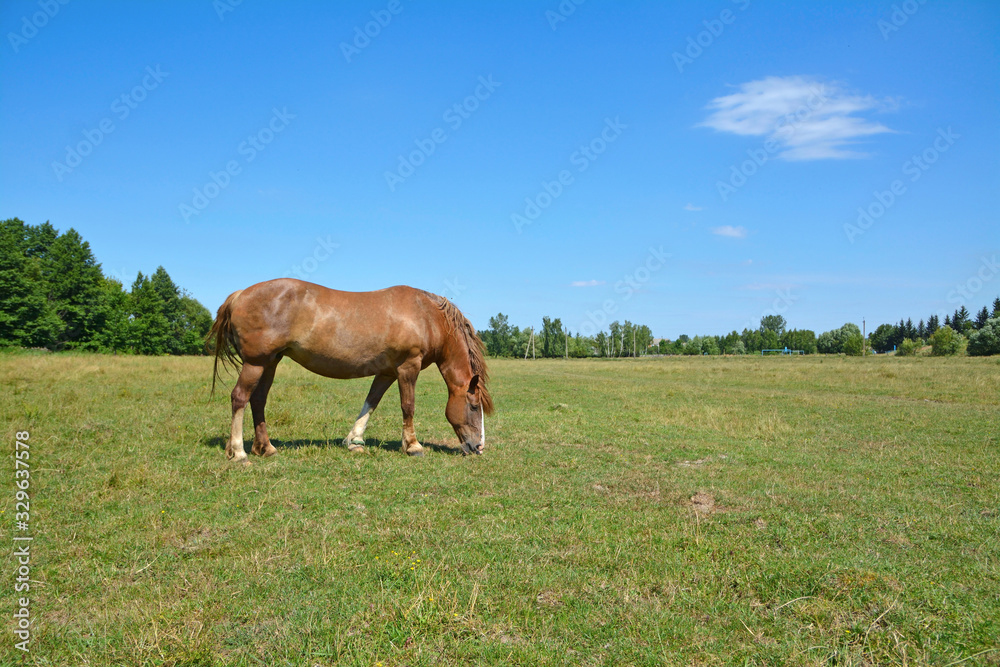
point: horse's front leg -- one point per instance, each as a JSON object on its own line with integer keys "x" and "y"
{"x": 407, "y": 401}
{"x": 355, "y": 440}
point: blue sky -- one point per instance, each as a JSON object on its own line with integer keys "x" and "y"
{"x": 689, "y": 167}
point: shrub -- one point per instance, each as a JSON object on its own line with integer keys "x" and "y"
{"x": 986, "y": 341}
{"x": 854, "y": 345}
{"x": 946, "y": 342}
{"x": 832, "y": 342}
{"x": 909, "y": 348}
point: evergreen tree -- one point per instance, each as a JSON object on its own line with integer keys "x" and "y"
{"x": 53, "y": 294}
{"x": 881, "y": 340}
{"x": 115, "y": 335}
{"x": 27, "y": 318}
{"x": 74, "y": 287}
{"x": 959, "y": 318}
{"x": 194, "y": 322}
{"x": 996, "y": 307}
{"x": 150, "y": 331}
{"x": 932, "y": 325}
{"x": 981, "y": 318}
{"x": 38, "y": 239}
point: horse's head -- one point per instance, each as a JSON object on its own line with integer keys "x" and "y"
{"x": 467, "y": 410}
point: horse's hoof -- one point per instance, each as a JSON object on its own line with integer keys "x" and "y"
{"x": 356, "y": 445}
{"x": 268, "y": 450}
{"x": 419, "y": 452}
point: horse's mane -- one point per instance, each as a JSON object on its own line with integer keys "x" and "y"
{"x": 460, "y": 326}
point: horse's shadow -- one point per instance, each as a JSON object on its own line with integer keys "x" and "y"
{"x": 220, "y": 442}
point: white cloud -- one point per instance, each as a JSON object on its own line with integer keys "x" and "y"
{"x": 586, "y": 283}
{"x": 692, "y": 207}
{"x": 730, "y": 231}
{"x": 806, "y": 118}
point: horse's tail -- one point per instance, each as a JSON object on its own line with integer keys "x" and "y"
{"x": 226, "y": 345}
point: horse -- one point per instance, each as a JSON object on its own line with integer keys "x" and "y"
{"x": 391, "y": 334}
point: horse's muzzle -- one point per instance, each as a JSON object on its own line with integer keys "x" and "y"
{"x": 471, "y": 449}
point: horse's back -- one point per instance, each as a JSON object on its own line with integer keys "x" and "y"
{"x": 333, "y": 332}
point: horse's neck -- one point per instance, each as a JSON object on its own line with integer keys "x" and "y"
{"x": 454, "y": 362}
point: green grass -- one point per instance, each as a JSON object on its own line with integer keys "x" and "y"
{"x": 704, "y": 511}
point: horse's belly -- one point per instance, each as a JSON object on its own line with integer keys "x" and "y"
{"x": 341, "y": 368}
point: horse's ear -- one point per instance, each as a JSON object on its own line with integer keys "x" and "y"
{"x": 473, "y": 383}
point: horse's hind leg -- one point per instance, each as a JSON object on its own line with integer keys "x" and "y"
{"x": 249, "y": 377}
{"x": 355, "y": 440}
{"x": 261, "y": 443}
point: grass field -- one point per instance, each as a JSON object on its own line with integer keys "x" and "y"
{"x": 690, "y": 511}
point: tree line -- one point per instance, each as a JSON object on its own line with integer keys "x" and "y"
{"x": 554, "y": 340}
{"x": 959, "y": 334}
{"x": 54, "y": 295}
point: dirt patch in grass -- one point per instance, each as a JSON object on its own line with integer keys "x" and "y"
{"x": 703, "y": 503}
{"x": 549, "y": 599}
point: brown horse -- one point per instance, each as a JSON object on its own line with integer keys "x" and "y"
{"x": 392, "y": 334}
